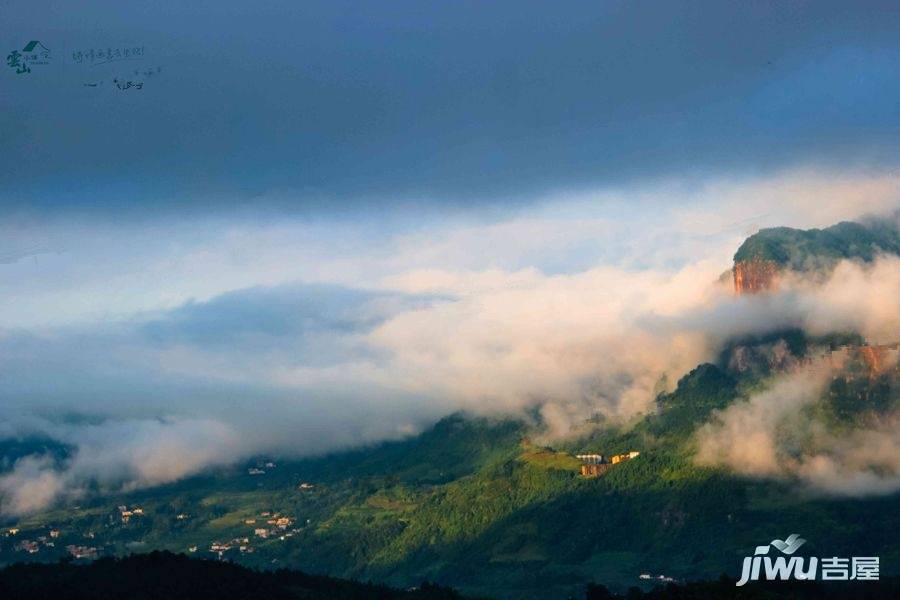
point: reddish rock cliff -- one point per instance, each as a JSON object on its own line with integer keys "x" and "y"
{"x": 756, "y": 275}
{"x": 880, "y": 359}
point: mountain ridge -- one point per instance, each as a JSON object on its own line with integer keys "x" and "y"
{"x": 470, "y": 503}
{"x": 764, "y": 255}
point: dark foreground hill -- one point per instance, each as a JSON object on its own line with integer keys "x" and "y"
{"x": 169, "y": 576}
{"x": 163, "y": 575}
{"x": 472, "y": 505}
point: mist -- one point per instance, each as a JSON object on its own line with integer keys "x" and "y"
{"x": 773, "y": 435}
{"x": 165, "y": 348}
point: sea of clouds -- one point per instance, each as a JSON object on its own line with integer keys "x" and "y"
{"x": 159, "y": 349}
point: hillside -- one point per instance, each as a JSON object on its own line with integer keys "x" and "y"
{"x": 800, "y": 249}
{"x": 467, "y": 503}
{"x": 168, "y": 576}
{"x": 476, "y": 504}
{"x": 171, "y": 577}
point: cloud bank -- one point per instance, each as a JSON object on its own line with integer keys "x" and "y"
{"x": 774, "y": 434}
{"x": 345, "y": 104}
{"x": 161, "y": 351}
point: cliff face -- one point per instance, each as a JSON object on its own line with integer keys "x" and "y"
{"x": 880, "y": 359}
{"x": 764, "y": 254}
{"x": 755, "y": 275}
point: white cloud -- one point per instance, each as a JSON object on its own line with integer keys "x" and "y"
{"x": 579, "y": 305}
{"x": 773, "y": 435}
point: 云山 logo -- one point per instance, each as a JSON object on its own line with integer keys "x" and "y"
{"x": 33, "y": 53}
{"x": 855, "y": 568}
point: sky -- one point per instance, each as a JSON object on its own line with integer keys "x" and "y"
{"x": 292, "y": 227}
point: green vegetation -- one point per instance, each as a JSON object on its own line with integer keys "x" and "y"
{"x": 473, "y": 504}
{"x": 803, "y": 250}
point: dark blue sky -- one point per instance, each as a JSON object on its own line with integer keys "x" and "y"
{"x": 342, "y": 106}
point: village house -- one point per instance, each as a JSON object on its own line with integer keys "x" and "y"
{"x": 126, "y": 514}
{"x": 595, "y": 465}
{"x": 28, "y": 546}
{"x": 594, "y": 470}
{"x": 82, "y": 551}
{"x": 620, "y": 457}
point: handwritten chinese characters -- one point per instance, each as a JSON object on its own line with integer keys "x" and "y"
{"x": 99, "y": 56}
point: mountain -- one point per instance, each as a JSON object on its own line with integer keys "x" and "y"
{"x": 470, "y": 503}
{"x": 768, "y": 252}
{"x": 172, "y": 577}
{"x": 481, "y": 505}
{"x": 168, "y": 576}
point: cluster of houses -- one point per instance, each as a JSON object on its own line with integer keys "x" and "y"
{"x": 663, "y": 578}
{"x": 595, "y": 465}
{"x": 268, "y": 525}
{"x": 88, "y": 552}
{"x": 33, "y": 546}
{"x": 49, "y": 539}
{"x": 260, "y": 469}
{"x": 220, "y": 548}
{"x": 277, "y": 526}
{"x": 127, "y": 513}
{"x": 29, "y": 546}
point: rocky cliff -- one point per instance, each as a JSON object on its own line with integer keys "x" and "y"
{"x": 768, "y": 252}
{"x": 755, "y": 275}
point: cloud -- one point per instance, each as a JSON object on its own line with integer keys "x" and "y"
{"x": 31, "y": 486}
{"x": 295, "y": 337}
{"x": 115, "y": 455}
{"x": 299, "y": 369}
{"x": 865, "y": 462}
{"x": 334, "y": 107}
{"x": 856, "y": 298}
{"x": 774, "y": 434}
{"x": 511, "y": 340}
{"x": 743, "y": 435}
